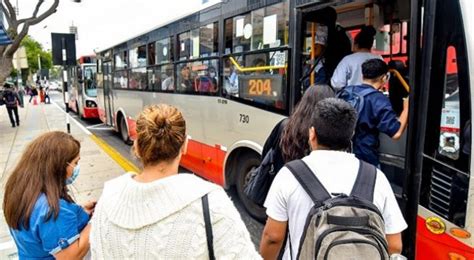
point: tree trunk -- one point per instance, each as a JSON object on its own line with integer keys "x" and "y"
{"x": 6, "y": 66}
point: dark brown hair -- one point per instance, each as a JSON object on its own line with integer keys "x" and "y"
{"x": 41, "y": 169}
{"x": 161, "y": 132}
{"x": 294, "y": 140}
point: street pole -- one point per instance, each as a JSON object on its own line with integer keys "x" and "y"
{"x": 65, "y": 82}
{"x": 39, "y": 64}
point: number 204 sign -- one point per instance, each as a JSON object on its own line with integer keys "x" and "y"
{"x": 261, "y": 86}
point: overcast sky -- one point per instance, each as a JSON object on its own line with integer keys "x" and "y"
{"x": 103, "y": 23}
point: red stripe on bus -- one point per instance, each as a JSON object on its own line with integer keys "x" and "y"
{"x": 132, "y": 129}
{"x": 91, "y": 113}
{"x": 205, "y": 160}
{"x": 430, "y": 246}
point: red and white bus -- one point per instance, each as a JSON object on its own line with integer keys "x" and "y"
{"x": 234, "y": 69}
{"x": 83, "y": 87}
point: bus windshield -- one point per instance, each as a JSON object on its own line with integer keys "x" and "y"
{"x": 90, "y": 86}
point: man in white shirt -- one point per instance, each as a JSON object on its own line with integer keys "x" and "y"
{"x": 349, "y": 71}
{"x": 287, "y": 204}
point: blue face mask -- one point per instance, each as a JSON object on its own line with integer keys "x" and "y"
{"x": 75, "y": 173}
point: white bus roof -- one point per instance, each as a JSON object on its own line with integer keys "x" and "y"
{"x": 202, "y": 7}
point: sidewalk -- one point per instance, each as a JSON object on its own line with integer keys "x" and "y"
{"x": 96, "y": 166}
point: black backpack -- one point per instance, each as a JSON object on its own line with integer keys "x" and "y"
{"x": 10, "y": 99}
{"x": 261, "y": 178}
{"x": 343, "y": 227}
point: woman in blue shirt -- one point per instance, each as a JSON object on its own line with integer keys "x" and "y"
{"x": 43, "y": 219}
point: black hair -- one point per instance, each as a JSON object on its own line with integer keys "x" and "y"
{"x": 294, "y": 138}
{"x": 326, "y": 16}
{"x": 374, "y": 68}
{"x": 334, "y": 121}
{"x": 365, "y": 38}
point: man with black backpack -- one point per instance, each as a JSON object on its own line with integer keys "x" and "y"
{"x": 11, "y": 101}
{"x": 330, "y": 205}
{"x": 375, "y": 112}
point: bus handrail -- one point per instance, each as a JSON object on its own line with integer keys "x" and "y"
{"x": 401, "y": 79}
{"x": 247, "y": 69}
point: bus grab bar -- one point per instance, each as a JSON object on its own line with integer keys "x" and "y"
{"x": 401, "y": 79}
{"x": 243, "y": 69}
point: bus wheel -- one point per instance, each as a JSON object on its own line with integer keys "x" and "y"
{"x": 248, "y": 162}
{"x": 124, "y": 131}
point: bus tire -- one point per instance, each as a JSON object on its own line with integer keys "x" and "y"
{"x": 248, "y": 162}
{"x": 124, "y": 131}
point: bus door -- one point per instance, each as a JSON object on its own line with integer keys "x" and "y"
{"x": 310, "y": 41}
{"x": 79, "y": 81}
{"x": 440, "y": 137}
{"x": 107, "y": 70}
{"x": 389, "y": 43}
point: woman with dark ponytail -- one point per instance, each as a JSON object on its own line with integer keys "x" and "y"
{"x": 349, "y": 70}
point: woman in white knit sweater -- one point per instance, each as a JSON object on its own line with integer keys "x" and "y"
{"x": 158, "y": 214}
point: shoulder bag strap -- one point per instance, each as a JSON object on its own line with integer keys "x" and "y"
{"x": 308, "y": 181}
{"x": 367, "y": 91}
{"x": 208, "y": 226}
{"x": 365, "y": 183}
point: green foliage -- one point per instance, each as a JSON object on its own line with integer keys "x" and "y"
{"x": 55, "y": 72}
{"x": 33, "y": 49}
{"x": 14, "y": 73}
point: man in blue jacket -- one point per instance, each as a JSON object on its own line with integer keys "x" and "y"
{"x": 377, "y": 114}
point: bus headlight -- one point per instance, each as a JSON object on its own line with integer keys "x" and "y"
{"x": 90, "y": 103}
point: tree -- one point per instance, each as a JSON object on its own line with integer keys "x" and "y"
{"x": 33, "y": 49}
{"x": 18, "y": 30}
{"x": 55, "y": 73}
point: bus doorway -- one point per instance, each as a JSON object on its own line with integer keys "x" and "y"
{"x": 107, "y": 113}
{"x": 326, "y": 36}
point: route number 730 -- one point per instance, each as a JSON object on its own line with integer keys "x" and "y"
{"x": 244, "y": 119}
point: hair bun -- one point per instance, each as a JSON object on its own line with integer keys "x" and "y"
{"x": 161, "y": 121}
{"x": 162, "y": 125}
{"x": 161, "y": 133}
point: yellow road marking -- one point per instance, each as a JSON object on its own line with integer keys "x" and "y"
{"x": 116, "y": 156}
